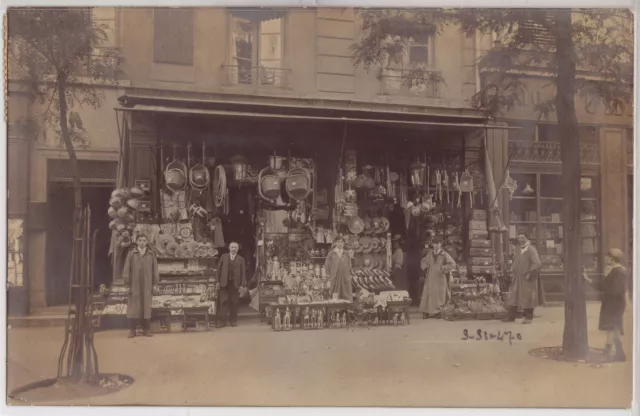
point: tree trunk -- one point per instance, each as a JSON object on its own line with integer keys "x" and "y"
{"x": 77, "y": 341}
{"x": 575, "y": 342}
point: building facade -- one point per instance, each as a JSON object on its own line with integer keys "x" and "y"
{"x": 236, "y": 63}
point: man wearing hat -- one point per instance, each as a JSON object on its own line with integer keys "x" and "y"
{"x": 526, "y": 289}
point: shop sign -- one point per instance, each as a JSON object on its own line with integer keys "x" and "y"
{"x": 15, "y": 242}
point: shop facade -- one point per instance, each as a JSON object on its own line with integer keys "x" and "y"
{"x": 371, "y": 177}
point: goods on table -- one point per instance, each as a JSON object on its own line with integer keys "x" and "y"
{"x": 372, "y": 280}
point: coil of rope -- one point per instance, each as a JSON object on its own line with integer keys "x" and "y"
{"x": 219, "y": 185}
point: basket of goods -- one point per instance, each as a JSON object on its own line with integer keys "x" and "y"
{"x": 122, "y": 209}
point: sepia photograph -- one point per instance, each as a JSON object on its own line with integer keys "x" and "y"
{"x": 320, "y": 207}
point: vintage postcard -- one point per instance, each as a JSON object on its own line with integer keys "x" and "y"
{"x": 243, "y": 206}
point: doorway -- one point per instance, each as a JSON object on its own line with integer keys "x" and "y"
{"x": 59, "y": 236}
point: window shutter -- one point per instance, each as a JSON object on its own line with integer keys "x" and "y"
{"x": 173, "y": 36}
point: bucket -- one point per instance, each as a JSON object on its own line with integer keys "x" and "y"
{"x": 298, "y": 183}
{"x": 269, "y": 184}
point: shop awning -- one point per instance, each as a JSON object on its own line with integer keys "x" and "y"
{"x": 237, "y": 114}
{"x": 257, "y": 15}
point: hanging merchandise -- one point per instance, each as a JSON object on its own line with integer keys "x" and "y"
{"x": 239, "y": 165}
{"x": 528, "y": 190}
{"x": 439, "y": 185}
{"x": 510, "y": 184}
{"x": 199, "y": 177}
{"x": 456, "y": 187}
{"x": 220, "y": 186}
{"x": 417, "y": 174}
{"x": 445, "y": 184}
{"x": 466, "y": 185}
{"x": 268, "y": 184}
{"x": 298, "y": 183}
{"x": 175, "y": 174}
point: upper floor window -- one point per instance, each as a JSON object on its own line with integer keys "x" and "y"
{"x": 173, "y": 36}
{"x": 256, "y": 46}
{"x": 418, "y": 52}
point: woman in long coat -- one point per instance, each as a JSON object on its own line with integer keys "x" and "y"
{"x": 526, "y": 288}
{"x": 338, "y": 268}
{"x": 613, "y": 287}
{"x": 140, "y": 272}
{"x": 435, "y": 266}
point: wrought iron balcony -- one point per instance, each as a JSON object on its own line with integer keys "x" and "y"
{"x": 549, "y": 152}
{"x": 425, "y": 82}
{"x": 257, "y": 76}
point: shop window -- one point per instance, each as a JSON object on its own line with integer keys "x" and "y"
{"x": 537, "y": 207}
{"x": 256, "y": 51}
{"x": 173, "y": 36}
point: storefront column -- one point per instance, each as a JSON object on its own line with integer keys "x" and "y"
{"x": 613, "y": 159}
{"x": 498, "y": 150}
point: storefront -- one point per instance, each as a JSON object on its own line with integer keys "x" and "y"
{"x": 286, "y": 183}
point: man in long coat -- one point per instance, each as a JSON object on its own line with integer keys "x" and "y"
{"x": 338, "y": 268}
{"x": 435, "y": 265}
{"x": 139, "y": 274}
{"x": 232, "y": 277}
{"x": 526, "y": 288}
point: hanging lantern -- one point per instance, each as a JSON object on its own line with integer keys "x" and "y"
{"x": 239, "y": 164}
{"x": 417, "y": 174}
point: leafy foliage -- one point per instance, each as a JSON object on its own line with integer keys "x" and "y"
{"x": 64, "y": 48}
{"x": 525, "y": 39}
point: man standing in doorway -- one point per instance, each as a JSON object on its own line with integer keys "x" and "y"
{"x": 526, "y": 289}
{"x": 231, "y": 279}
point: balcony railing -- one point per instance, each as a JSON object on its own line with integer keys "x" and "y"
{"x": 257, "y": 76}
{"x": 425, "y": 83}
{"x": 549, "y": 152}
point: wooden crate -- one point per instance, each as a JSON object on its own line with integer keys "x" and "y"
{"x": 479, "y": 225}
{"x": 481, "y": 261}
{"x": 483, "y": 270}
{"x": 480, "y": 252}
{"x": 479, "y": 215}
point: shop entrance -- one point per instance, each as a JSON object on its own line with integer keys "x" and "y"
{"x": 58, "y": 256}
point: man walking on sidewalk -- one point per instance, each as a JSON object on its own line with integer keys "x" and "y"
{"x": 231, "y": 278}
{"x": 526, "y": 289}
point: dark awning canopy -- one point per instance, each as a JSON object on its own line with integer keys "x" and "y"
{"x": 257, "y": 15}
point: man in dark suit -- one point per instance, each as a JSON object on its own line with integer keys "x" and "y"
{"x": 231, "y": 279}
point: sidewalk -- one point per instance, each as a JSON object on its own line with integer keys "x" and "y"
{"x": 424, "y": 364}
